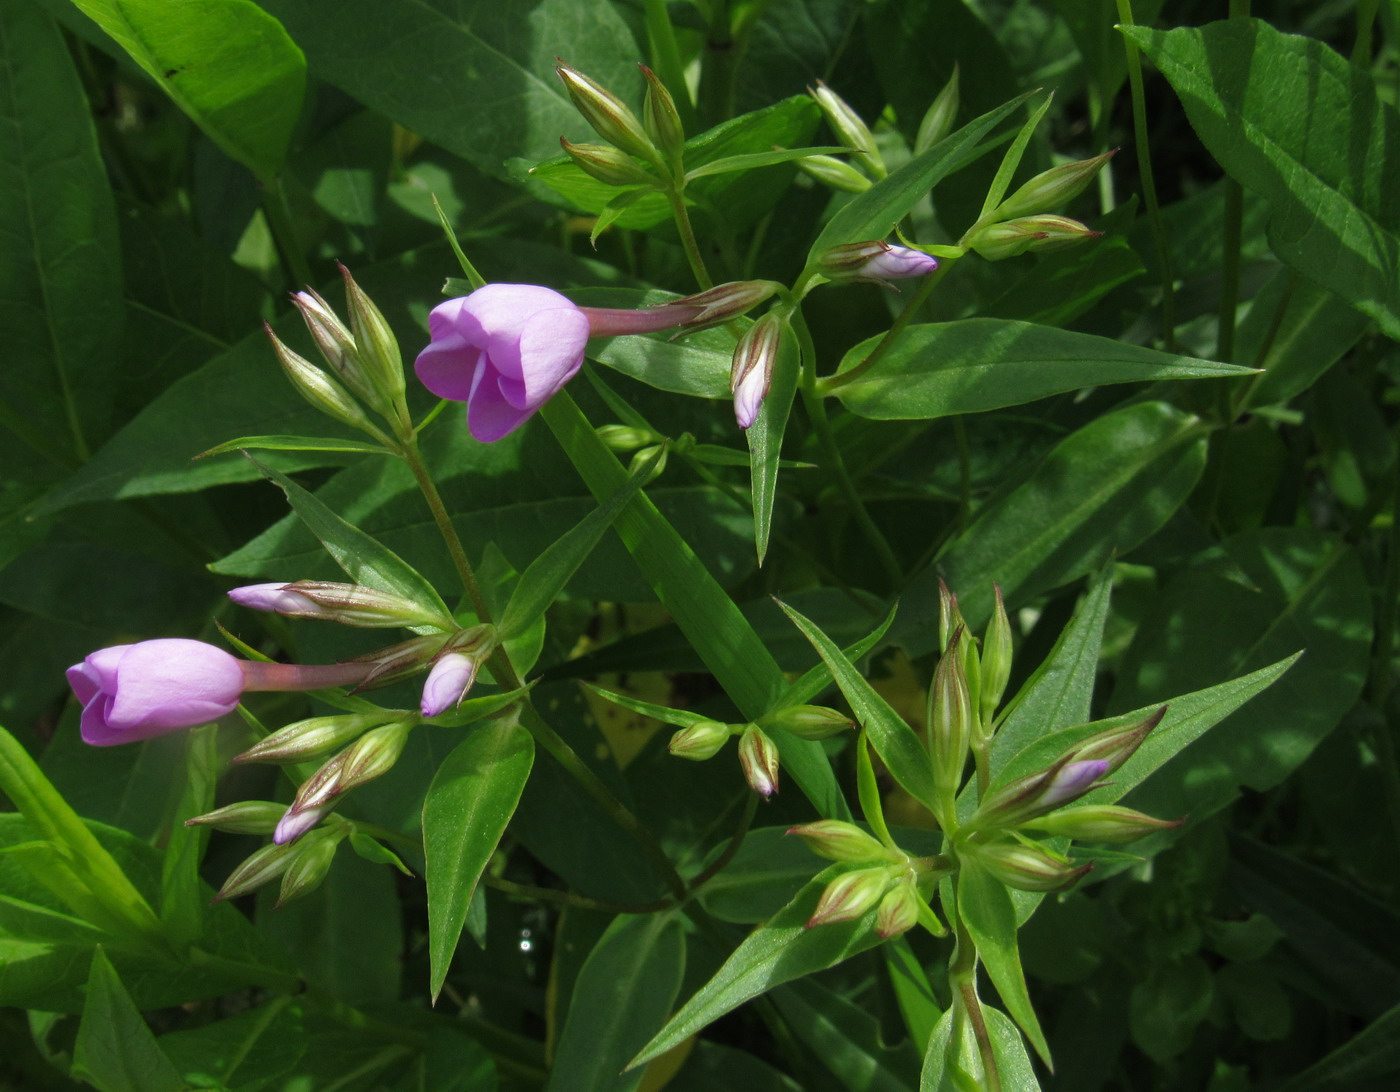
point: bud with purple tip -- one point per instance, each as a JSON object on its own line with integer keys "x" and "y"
{"x": 1025, "y": 867}
{"x": 758, "y": 755}
{"x": 1039, "y": 794}
{"x": 349, "y": 604}
{"x": 752, "y": 370}
{"x": 850, "y": 895}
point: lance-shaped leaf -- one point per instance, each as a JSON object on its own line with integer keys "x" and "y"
{"x": 296, "y": 443}
{"x": 473, "y": 795}
{"x": 115, "y": 1049}
{"x": 893, "y": 740}
{"x": 774, "y": 953}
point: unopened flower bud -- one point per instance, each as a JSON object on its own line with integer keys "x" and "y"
{"x": 995, "y": 663}
{"x": 950, "y": 717}
{"x": 245, "y": 817}
{"x": 334, "y": 339}
{"x": 1026, "y": 868}
{"x": 938, "y": 122}
{"x": 700, "y": 741}
{"x": 896, "y": 263}
{"x": 309, "y": 738}
{"x": 297, "y": 822}
{"x": 841, "y": 841}
{"x": 758, "y": 756}
{"x": 723, "y": 302}
{"x": 369, "y": 757}
{"x": 661, "y": 119}
{"x": 848, "y": 259}
{"x": 835, "y": 173}
{"x": 374, "y": 754}
{"x": 398, "y": 661}
{"x": 949, "y": 616}
{"x": 752, "y": 369}
{"x": 379, "y": 349}
{"x": 1102, "y": 823}
{"x": 606, "y": 113}
{"x": 850, "y": 895}
{"x": 1116, "y": 745}
{"x": 808, "y": 721}
{"x": 317, "y": 387}
{"x": 1045, "y": 232}
{"x": 348, "y": 604}
{"x": 263, "y": 865}
{"x": 1051, "y": 189}
{"x": 850, "y": 130}
{"x": 1039, "y": 794}
{"x": 448, "y": 682}
{"x": 310, "y": 863}
{"x": 626, "y": 437}
{"x": 608, "y": 164}
{"x": 653, "y": 458}
{"x": 899, "y": 909}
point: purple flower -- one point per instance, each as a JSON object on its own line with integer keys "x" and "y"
{"x": 895, "y": 263}
{"x": 505, "y": 350}
{"x": 134, "y": 692}
{"x": 448, "y": 682}
{"x": 294, "y": 823}
{"x": 282, "y": 598}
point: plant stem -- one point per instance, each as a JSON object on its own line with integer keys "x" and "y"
{"x": 1365, "y": 18}
{"x": 816, "y": 412}
{"x": 735, "y": 841}
{"x": 284, "y": 233}
{"x": 911, "y": 309}
{"x": 967, "y": 1006}
{"x": 414, "y": 458}
{"x": 687, "y": 233}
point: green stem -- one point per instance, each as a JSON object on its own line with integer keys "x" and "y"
{"x": 569, "y": 898}
{"x": 735, "y": 841}
{"x": 1365, "y": 18}
{"x": 284, "y": 233}
{"x": 967, "y": 1006}
{"x": 964, "y": 472}
{"x": 687, "y": 234}
{"x": 1149, "y": 185}
{"x": 816, "y": 412}
{"x": 902, "y": 320}
{"x": 414, "y": 458}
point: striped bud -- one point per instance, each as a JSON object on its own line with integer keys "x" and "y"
{"x": 1025, "y": 867}
{"x": 1051, "y": 189}
{"x": 835, "y": 173}
{"x": 608, "y": 164}
{"x": 850, "y": 895}
{"x": 840, "y": 841}
{"x": 700, "y": 741}
{"x": 317, "y": 387}
{"x": 850, "y": 130}
{"x": 808, "y": 721}
{"x": 606, "y": 113}
{"x": 758, "y": 756}
{"x": 1102, "y": 823}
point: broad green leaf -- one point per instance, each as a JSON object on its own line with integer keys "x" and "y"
{"x": 765, "y": 438}
{"x": 621, "y": 996}
{"x": 115, "y": 1050}
{"x": 760, "y": 879}
{"x": 365, "y": 560}
{"x": 1097, "y": 494}
{"x": 544, "y": 580}
{"x": 240, "y": 1052}
{"x": 973, "y": 365}
{"x": 471, "y": 800}
{"x": 1291, "y": 120}
{"x": 296, "y": 443}
{"x": 986, "y": 911}
{"x": 492, "y": 92}
{"x": 226, "y": 63}
{"x": 894, "y": 741}
{"x": 719, "y": 632}
{"x": 912, "y": 989}
{"x": 1009, "y": 1048}
{"x": 182, "y": 892}
{"x": 60, "y": 278}
{"x": 1254, "y": 599}
{"x": 774, "y": 953}
{"x": 1061, "y": 286}
{"x": 845, "y": 1038}
{"x": 873, "y": 214}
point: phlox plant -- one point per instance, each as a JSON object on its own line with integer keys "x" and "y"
{"x": 874, "y": 567}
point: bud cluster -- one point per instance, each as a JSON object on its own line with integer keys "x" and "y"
{"x": 1023, "y": 222}
{"x": 648, "y": 152}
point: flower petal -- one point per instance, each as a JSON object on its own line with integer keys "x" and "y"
{"x": 448, "y": 366}
{"x": 551, "y": 351}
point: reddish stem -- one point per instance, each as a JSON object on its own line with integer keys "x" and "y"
{"x": 265, "y": 676}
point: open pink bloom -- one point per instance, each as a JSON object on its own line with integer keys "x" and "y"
{"x": 505, "y": 350}
{"x": 133, "y": 692}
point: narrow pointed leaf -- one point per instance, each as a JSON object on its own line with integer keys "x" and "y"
{"x": 115, "y": 1049}
{"x": 765, "y": 439}
{"x": 296, "y": 443}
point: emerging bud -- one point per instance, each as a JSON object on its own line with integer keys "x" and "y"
{"x": 653, "y": 457}
{"x": 850, "y": 895}
{"x": 938, "y": 122}
{"x": 1051, "y": 189}
{"x": 448, "y": 682}
{"x": 310, "y": 863}
{"x": 263, "y": 865}
{"x": 833, "y": 172}
{"x": 317, "y": 387}
{"x": 850, "y": 130}
{"x": 1026, "y": 868}
{"x": 245, "y": 817}
{"x": 334, "y": 340}
{"x": 608, "y": 164}
{"x": 808, "y": 721}
{"x": 609, "y": 118}
{"x": 848, "y": 259}
{"x": 758, "y": 755}
{"x": 700, "y": 741}
{"x": 1006, "y": 240}
{"x": 1040, "y": 793}
{"x": 723, "y": 302}
{"x": 379, "y": 350}
{"x": 1102, "y": 823}
{"x": 348, "y": 604}
{"x": 626, "y": 437}
{"x": 371, "y": 756}
{"x": 662, "y": 120}
{"x": 996, "y": 662}
{"x": 899, "y": 909}
{"x": 294, "y": 823}
{"x": 309, "y": 738}
{"x": 950, "y": 717}
{"x": 1116, "y": 745}
{"x": 897, "y": 263}
{"x": 839, "y": 841}
{"x": 752, "y": 370}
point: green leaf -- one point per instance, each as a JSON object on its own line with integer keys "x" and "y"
{"x": 541, "y": 583}
{"x": 774, "y": 953}
{"x": 680, "y": 718}
{"x": 973, "y": 365}
{"x": 846, "y": 1038}
{"x": 182, "y": 892}
{"x": 1009, "y": 1049}
{"x": 1255, "y": 98}
{"x": 894, "y": 741}
{"x": 60, "y": 278}
{"x": 759, "y": 159}
{"x": 296, "y": 443}
{"x": 226, "y": 63}
{"x": 472, "y": 798}
{"x": 765, "y": 438}
{"x": 917, "y": 1002}
{"x": 621, "y": 996}
{"x": 873, "y": 214}
{"x": 115, "y": 1050}
{"x": 1096, "y": 495}
{"x": 802, "y": 690}
{"x": 243, "y": 1051}
{"x": 364, "y": 559}
{"x": 985, "y": 909}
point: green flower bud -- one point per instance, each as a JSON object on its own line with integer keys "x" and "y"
{"x": 700, "y": 741}
{"x": 398, "y": 661}
{"x": 835, "y": 173}
{"x": 899, "y": 909}
{"x": 1102, "y": 823}
{"x": 608, "y": 164}
{"x": 1051, "y": 189}
{"x": 609, "y": 118}
{"x": 311, "y": 860}
{"x": 1014, "y": 237}
{"x": 840, "y": 841}
{"x": 1025, "y": 867}
{"x": 1116, "y": 745}
{"x": 1040, "y": 793}
{"x": 656, "y": 456}
{"x": 724, "y": 301}
{"x": 758, "y": 755}
{"x": 850, "y": 895}
{"x": 262, "y": 866}
{"x": 626, "y": 437}
{"x": 938, "y": 122}
{"x": 348, "y": 604}
{"x": 309, "y": 738}
{"x": 318, "y": 388}
{"x": 245, "y": 817}
{"x": 850, "y": 130}
{"x": 996, "y": 662}
{"x": 950, "y": 717}
{"x": 374, "y": 754}
{"x": 334, "y": 340}
{"x": 379, "y": 350}
{"x": 662, "y": 120}
{"x": 808, "y": 721}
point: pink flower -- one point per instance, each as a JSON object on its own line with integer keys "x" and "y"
{"x": 133, "y": 692}
{"x": 505, "y": 350}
